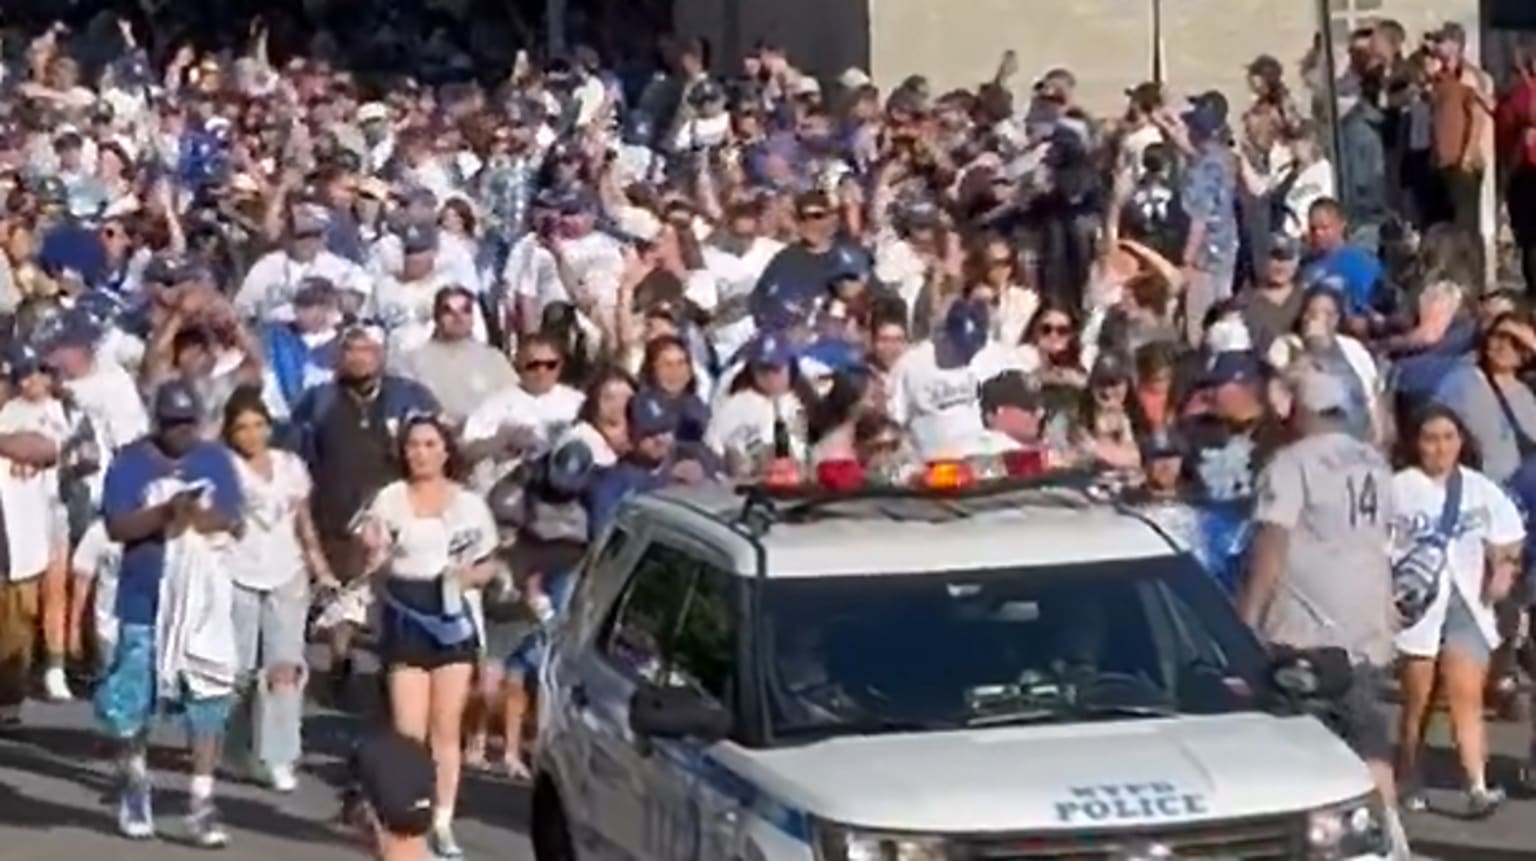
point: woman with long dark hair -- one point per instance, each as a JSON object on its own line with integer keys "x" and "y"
{"x": 275, "y": 557}
{"x": 431, "y": 539}
{"x": 1455, "y": 528}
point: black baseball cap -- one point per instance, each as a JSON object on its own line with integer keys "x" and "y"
{"x": 395, "y": 775}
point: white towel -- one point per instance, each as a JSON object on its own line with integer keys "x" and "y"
{"x": 194, "y": 629}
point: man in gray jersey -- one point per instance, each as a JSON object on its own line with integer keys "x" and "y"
{"x": 1319, "y": 575}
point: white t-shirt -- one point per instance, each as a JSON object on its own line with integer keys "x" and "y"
{"x": 31, "y": 497}
{"x": 97, "y": 558}
{"x": 405, "y": 307}
{"x": 741, "y": 429}
{"x": 942, "y": 408}
{"x": 268, "y": 554}
{"x": 1313, "y": 183}
{"x": 422, "y": 548}
{"x": 899, "y": 266}
{"x": 454, "y": 263}
{"x": 548, "y": 414}
{"x": 268, "y": 289}
{"x": 1487, "y": 517}
{"x": 602, "y": 453}
{"x": 735, "y": 276}
{"x": 531, "y": 273}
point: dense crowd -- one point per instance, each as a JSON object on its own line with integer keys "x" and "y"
{"x": 292, "y": 355}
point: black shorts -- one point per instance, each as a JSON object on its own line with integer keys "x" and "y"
{"x": 1361, "y": 717}
{"x": 405, "y": 643}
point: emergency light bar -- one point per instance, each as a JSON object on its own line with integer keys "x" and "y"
{"x": 784, "y": 478}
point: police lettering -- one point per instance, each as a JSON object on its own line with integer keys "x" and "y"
{"x": 1128, "y": 802}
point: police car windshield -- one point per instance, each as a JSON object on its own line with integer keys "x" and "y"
{"x": 1105, "y": 640}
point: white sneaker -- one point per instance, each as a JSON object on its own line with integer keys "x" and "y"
{"x": 55, "y": 686}
{"x": 282, "y": 779}
{"x": 135, "y": 816}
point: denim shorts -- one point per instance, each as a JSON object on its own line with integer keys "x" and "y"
{"x": 126, "y": 701}
{"x": 529, "y": 653}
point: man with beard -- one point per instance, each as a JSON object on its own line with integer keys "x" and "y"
{"x": 346, "y": 432}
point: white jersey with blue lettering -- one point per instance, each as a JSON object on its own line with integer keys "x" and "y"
{"x": 941, "y": 407}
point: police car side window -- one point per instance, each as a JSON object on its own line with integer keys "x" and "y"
{"x": 648, "y": 614}
{"x": 596, "y": 580}
{"x": 703, "y": 653}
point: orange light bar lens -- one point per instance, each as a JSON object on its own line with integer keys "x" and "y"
{"x": 949, "y": 475}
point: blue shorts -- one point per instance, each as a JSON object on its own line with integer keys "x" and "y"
{"x": 528, "y": 654}
{"x": 125, "y": 699}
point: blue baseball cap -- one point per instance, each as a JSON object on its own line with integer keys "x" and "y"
{"x": 314, "y": 290}
{"x": 418, "y": 238}
{"x": 651, "y": 414}
{"x": 569, "y": 467}
{"x": 965, "y": 330}
{"x": 848, "y": 263}
{"x": 23, "y": 362}
{"x": 74, "y": 328}
{"x": 776, "y": 307}
{"x": 771, "y": 349}
{"x": 176, "y": 401}
{"x": 1233, "y": 366}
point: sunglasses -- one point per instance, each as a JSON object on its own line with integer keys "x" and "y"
{"x": 999, "y": 262}
{"x": 815, "y": 214}
{"x": 541, "y": 364}
{"x": 882, "y": 445}
{"x": 1056, "y": 329}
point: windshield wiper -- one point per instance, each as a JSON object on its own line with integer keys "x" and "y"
{"x": 870, "y": 725}
{"x": 1022, "y": 716}
{"x": 1066, "y": 712}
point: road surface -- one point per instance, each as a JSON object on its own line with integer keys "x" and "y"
{"x": 55, "y": 804}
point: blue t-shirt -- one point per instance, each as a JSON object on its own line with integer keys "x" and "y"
{"x": 1353, "y": 271}
{"x": 133, "y": 471}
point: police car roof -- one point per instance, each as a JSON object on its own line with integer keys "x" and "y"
{"x": 868, "y": 536}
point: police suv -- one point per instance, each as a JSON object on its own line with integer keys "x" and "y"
{"x": 979, "y": 668}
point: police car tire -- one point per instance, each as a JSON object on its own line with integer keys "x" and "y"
{"x": 551, "y": 835}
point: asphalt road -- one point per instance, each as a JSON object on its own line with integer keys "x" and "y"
{"x": 55, "y": 803}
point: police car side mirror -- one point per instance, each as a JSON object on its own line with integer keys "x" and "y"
{"x": 677, "y": 712}
{"x": 1312, "y": 674}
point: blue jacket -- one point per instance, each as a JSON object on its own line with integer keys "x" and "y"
{"x": 399, "y": 397}
{"x": 613, "y": 486}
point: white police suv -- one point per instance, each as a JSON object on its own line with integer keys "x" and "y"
{"x": 984, "y": 671}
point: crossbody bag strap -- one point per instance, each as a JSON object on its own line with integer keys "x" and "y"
{"x": 1523, "y": 441}
{"x": 1445, "y": 530}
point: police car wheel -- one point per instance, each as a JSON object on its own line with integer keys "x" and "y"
{"x": 551, "y": 836}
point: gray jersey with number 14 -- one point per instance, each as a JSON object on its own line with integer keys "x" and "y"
{"x": 1333, "y": 496}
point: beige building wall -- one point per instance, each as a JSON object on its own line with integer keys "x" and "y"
{"x": 1107, "y": 43}
{"x": 957, "y": 43}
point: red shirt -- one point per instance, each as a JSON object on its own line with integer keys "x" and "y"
{"x": 1517, "y": 123}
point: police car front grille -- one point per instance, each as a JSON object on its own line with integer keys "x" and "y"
{"x": 1245, "y": 840}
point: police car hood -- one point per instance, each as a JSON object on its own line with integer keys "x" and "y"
{"x": 1119, "y": 774}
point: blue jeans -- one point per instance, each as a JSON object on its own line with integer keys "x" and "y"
{"x": 269, "y": 634}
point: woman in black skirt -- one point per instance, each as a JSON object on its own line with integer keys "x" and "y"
{"x": 431, "y": 540}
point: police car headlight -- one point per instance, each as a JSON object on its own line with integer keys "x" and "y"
{"x": 1348, "y": 830}
{"x": 840, "y": 843}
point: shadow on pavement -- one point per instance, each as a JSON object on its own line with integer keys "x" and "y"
{"x": 1462, "y": 852}
{"x": 26, "y": 811}
{"x": 78, "y": 757}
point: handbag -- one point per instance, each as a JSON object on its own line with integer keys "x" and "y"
{"x": 1416, "y": 577}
